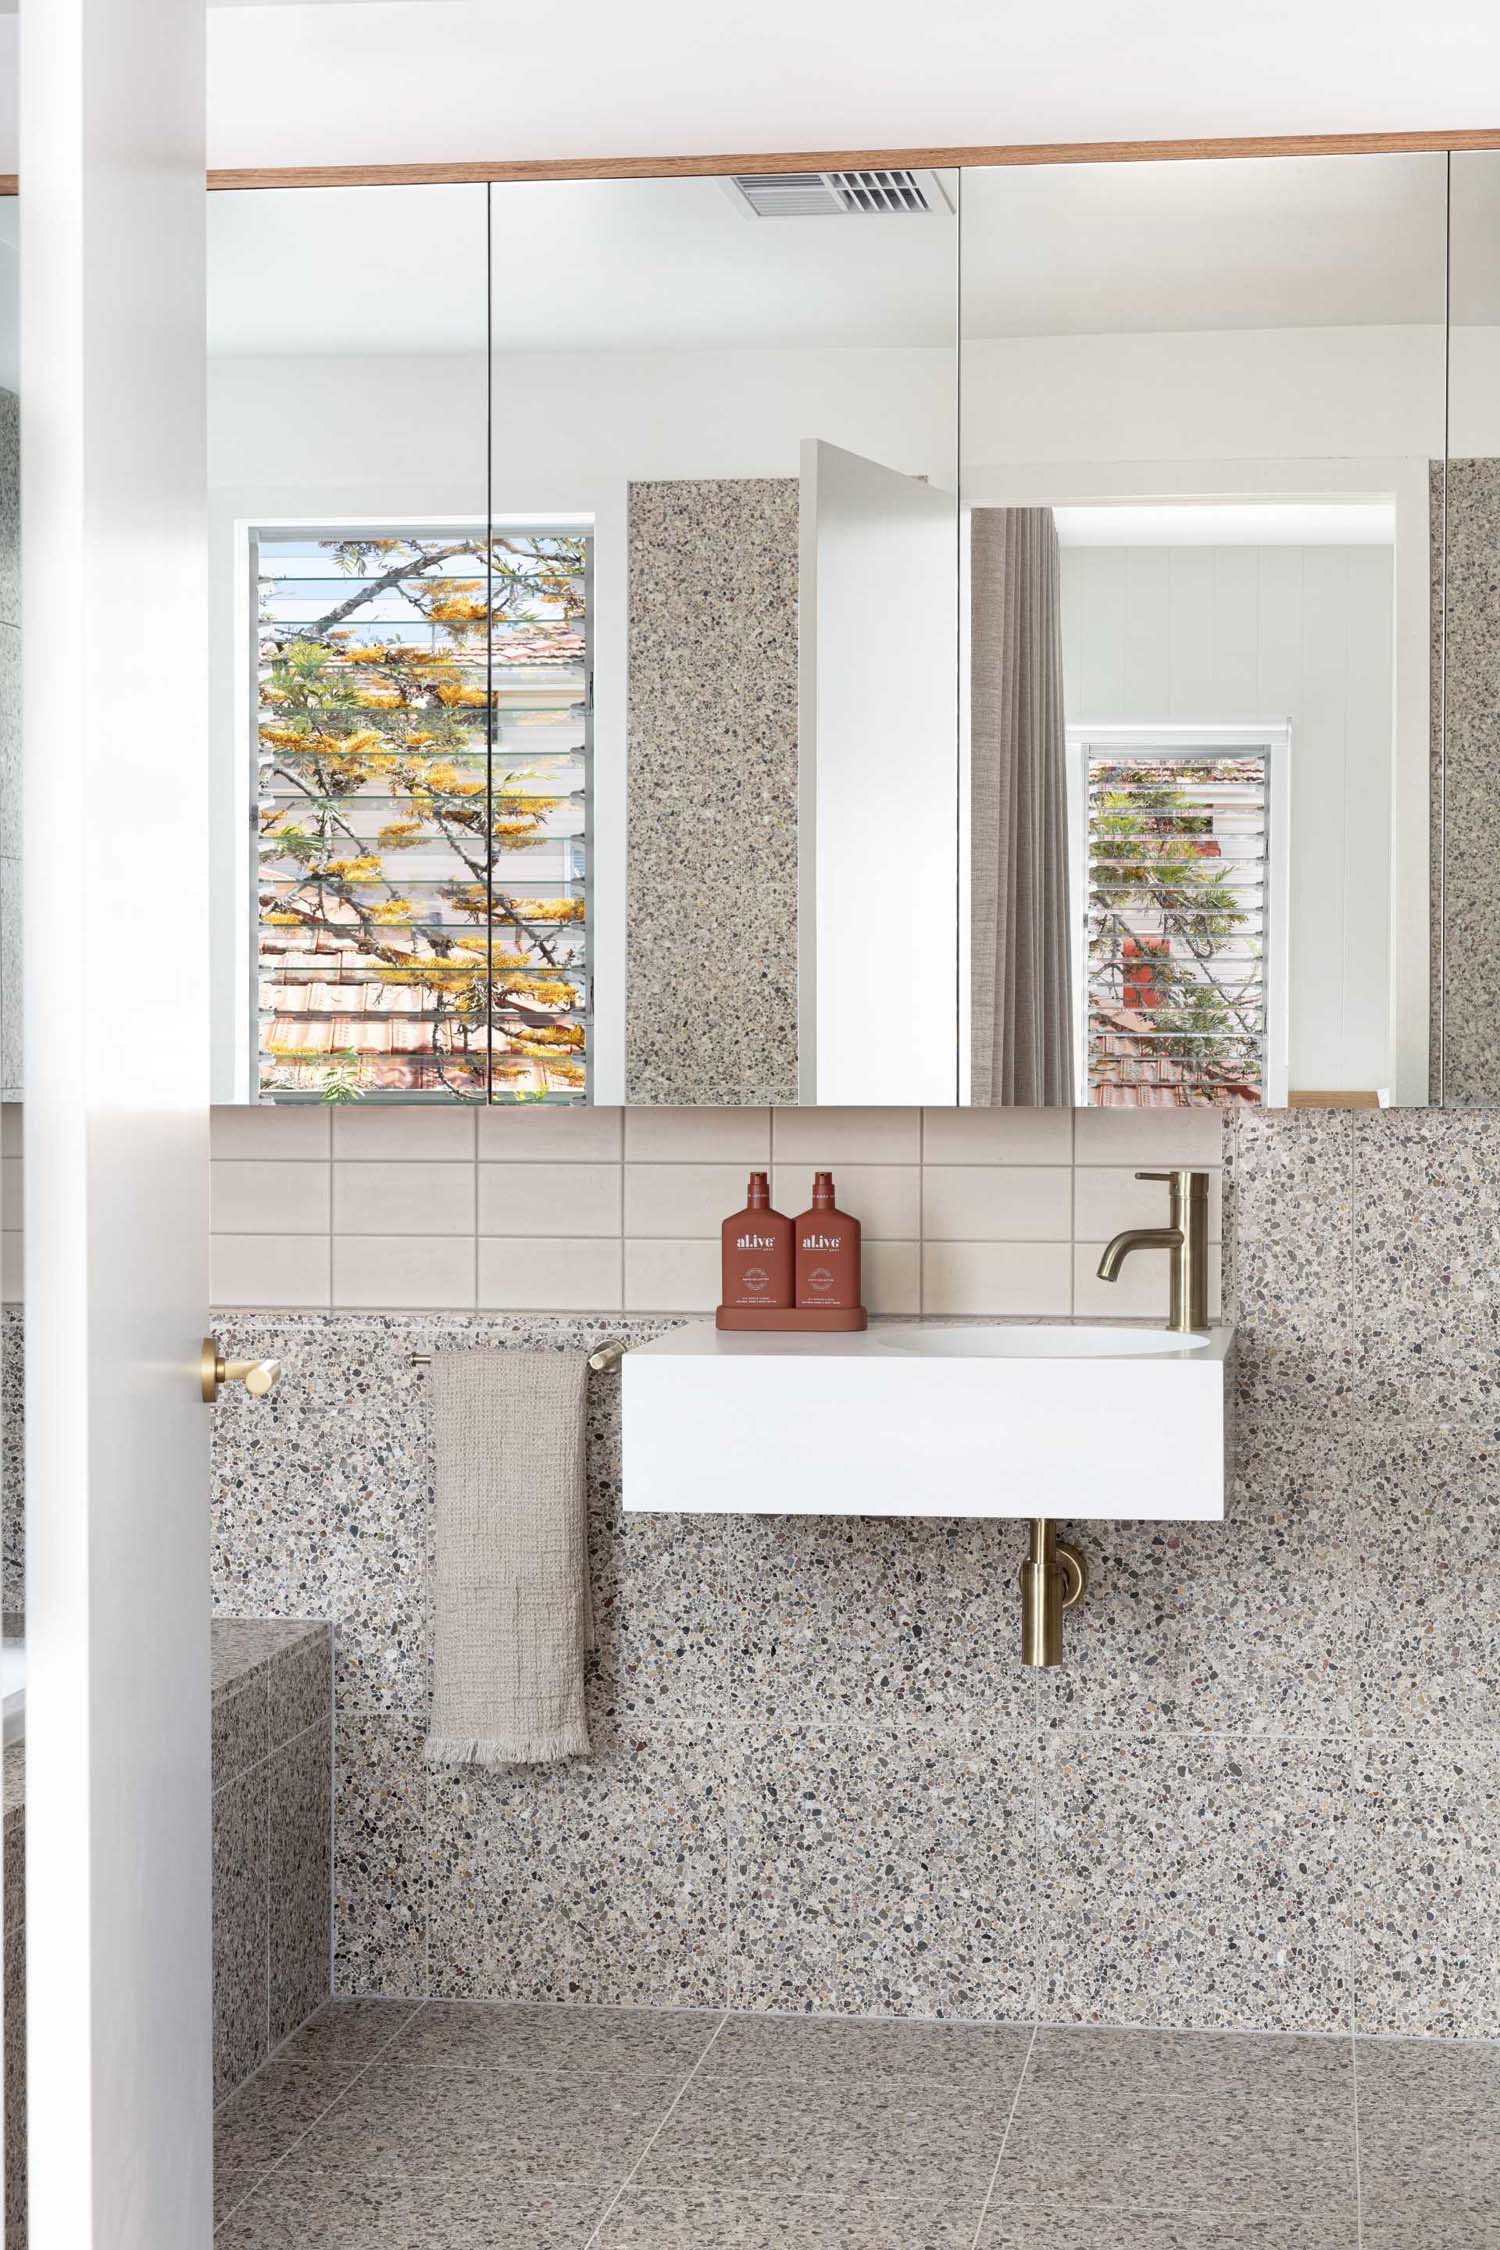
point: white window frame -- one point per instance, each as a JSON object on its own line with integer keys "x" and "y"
{"x": 1273, "y": 742}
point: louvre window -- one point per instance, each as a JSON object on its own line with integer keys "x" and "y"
{"x": 1176, "y": 894}
{"x": 422, "y": 830}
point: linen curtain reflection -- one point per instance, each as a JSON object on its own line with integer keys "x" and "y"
{"x": 1020, "y": 983}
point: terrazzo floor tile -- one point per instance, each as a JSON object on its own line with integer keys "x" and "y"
{"x": 271, "y": 2111}
{"x": 297, "y": 2206}
{"x": 463, "y": 2033}
{"x": 1039, "y": 2229}
{"x": 599, "y": 1880}
{"x": 818, "y": 2051}
{"x": 1429, "y": 2131}
{"x": 1243, "y": 1836}
{"x": 232, "y": 2184}
{"x": 1425, "y": 1903}
{"x": 1186, "y": 2125}
{"x": 1111, "y": 2067}
{"x": 1417, "y": 2234}
{"x": 709, "y": 2218}
{"x": 883, "y": 1874}
{"x": 505, "y": 2124}
{"x": 765, "y": 2136}
{"x": 348, "y": 2031}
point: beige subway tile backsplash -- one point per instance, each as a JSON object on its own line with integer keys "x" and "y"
{"x": 288, "y": 1270}
{"x": 698, "y": 1136}
{"x": 252, "y": 1195}
{"x": 1107, "y": 1198}
{"x": 279, "y": 1132}
{"x": 829, "y": 1137}
{"x": 404, "y": 1135}
{"x": 1147, "y": 1136}
{"x": 1143, "y": 1291}
{"x": 671, "y": 1276}
{"x": 997, "y": 1136}
{"x": 536, "y": 1208}
{"x": 549, "y": 1274}
{"x": 415, "y": 1198}
{"x": 892, "y": 1277}
{"x": 549, "y": 1199}
{"x": 885, "y": 1198}
{"x": 521, "y": 1131}
{"x": 403, "y": 1272}
{"x": 1017, "y": 1279}
{"x": 997, "y": 1203}
{"x": 681, "y": 1199}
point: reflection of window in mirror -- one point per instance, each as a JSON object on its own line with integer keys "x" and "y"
{"x": 1177, "y": 866}
{"x": 1200, "y": 408}
{"x": 422, "y": 767}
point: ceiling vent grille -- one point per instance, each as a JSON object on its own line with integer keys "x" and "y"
{"x": 815, "y": 195}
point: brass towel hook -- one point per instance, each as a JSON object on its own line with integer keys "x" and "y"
{"x": 257, "y": 1375}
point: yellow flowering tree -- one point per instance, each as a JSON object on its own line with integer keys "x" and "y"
{"x": 378, "y": 748}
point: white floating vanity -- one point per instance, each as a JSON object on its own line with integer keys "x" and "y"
{"x": 924, "y": 1420}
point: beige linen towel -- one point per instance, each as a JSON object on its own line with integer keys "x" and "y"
{"x": 513, "y": 1611}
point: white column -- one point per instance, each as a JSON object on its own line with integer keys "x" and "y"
{"x": 114, "y": 734}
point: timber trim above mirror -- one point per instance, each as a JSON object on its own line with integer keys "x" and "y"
{"x": 480, "y": 172}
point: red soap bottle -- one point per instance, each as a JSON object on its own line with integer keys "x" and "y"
{"x": 757, "y": 1245}
{"x": 827, "y": 1254}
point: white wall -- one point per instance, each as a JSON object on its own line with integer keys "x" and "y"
{"x": 1235, "y": 635}
{"x": 467, "y": 78}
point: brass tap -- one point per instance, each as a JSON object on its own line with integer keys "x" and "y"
{"x": 1053, "y": 1577}
{"x": 1187, "y": 1239}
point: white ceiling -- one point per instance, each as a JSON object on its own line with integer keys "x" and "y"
{"x": 347, "y": 81}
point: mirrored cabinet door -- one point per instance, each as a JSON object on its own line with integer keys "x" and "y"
{"x": 1201, "y": 407}
{"x": 351, "y": 583}
{"x": 1466, "y": 902}
{"x": 730, "y": 405}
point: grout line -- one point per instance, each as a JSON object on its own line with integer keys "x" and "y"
{"x": 613, "y": 2205}
{"x": 989, "y": 2193}
{"x": 382, "y": 2050}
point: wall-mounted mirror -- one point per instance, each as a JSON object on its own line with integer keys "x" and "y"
{"x": 1200, "y": 406}
{"x": 587, "y": 584}
{"x": 1466, "y": 900}
{"x": 636, "y": 682}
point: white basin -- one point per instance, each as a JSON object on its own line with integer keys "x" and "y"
{"x": 1001, "y": 1419}
{"x": 1036, "y": 1343}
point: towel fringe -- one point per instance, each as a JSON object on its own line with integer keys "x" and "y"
{"x": 506, "y": 1750}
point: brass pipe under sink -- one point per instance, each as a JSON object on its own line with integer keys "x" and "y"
{"x": 1053, "y": 1578}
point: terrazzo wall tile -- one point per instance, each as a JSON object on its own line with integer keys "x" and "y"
{"x": 272, "y": 1744}
{"x": 883, "y": 1870}
{"x": 784, "y": 1710}
{"x": 711, "y": 977}
{"x": 1198, "y": 1880}
{"x": 1425, "y": 1855}
{"x": 1466, "y": 925}
{"x": 598, "y": 1879}
{"x": 299, "y": 1783}
{"x": 380, "y": 1855}
{"x": 241, "y": 1986}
